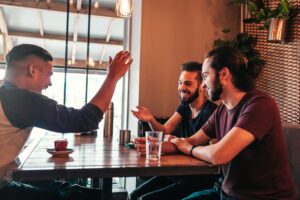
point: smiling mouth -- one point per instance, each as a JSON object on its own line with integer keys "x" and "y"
{"x": 184, "y": 95}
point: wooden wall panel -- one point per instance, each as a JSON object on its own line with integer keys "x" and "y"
{"x": 280, "y": 77}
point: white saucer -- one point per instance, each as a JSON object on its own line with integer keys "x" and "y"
{"x": 60, "y": 153}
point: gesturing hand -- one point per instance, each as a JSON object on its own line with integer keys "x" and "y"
{"x": 182, "y": 145}
{"x": 119, "y": 65}
{"x": 142, "y": 113}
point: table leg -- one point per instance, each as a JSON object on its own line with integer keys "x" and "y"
{"x": 106, "y": 188}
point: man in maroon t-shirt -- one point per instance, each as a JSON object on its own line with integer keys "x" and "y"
{"x": 251, "y": 149}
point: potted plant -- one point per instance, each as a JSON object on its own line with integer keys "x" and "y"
{"x": 249, "y": 7}
{"x": 278, "y": 21}
{"x": 244, "y": 43}
{"x": 274, "y": 20}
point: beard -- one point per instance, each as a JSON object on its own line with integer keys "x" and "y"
{"x": 191, "y": 98}
{"x": 216, "y": 91}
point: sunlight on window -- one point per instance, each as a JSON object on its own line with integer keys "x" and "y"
{"x": 2, "y": 74}
{"x": 75, "y": 95}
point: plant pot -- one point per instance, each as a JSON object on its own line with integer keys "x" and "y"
{"x": 277, "y": 30}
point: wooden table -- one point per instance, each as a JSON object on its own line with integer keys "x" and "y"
{"x": 96, "y": 156}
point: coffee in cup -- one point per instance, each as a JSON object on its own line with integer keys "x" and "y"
{"x": 60, "y": 145}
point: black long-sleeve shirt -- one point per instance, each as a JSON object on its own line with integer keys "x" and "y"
{"x": 22, "y": 109}
{"x": 25, "y": 108}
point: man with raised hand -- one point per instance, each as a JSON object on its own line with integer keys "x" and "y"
{"x": 22, "y": 107}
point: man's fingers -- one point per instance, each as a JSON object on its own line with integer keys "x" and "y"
{"x": 142, "y": 153}
{"x": 136, "y": 114}
{"x": 119, "y": 54}
{"x": 174, "y": 140}
{"x": 140, "y": 146}
{"x": 140, "y": 140}
{"x": 126, "y": 56}
{"x": 123, "y": 55}
{"x": 130, "y": 61}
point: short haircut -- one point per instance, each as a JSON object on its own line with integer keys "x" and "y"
{"x": 243, "y": 72}
{"x": 21, "y": 51}
{"x": 193, "y": 67}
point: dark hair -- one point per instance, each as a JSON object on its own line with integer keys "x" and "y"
{"x": 193, "y": 67}
{"x": 243, "y": 72}
{"x": 21, "y": 51}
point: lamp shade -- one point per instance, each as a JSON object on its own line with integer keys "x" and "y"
{"x": 124, "y": 7}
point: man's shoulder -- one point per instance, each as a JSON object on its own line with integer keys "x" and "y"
{"x": 257, "y": 95}
{"x": 9, "y": 91}
{"x": 183, "y": 109}
{"x": 16, "y": 100}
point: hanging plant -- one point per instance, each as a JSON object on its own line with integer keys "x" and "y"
{"x": 282, "y": 11}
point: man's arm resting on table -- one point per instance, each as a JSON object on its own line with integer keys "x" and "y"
{"x": 226, "y": 149}
{"x": 168, "y": 148}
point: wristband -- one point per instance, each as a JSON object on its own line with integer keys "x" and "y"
{"x": 191, "y": 151}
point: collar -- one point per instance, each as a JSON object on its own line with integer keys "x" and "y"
{"x": 8, "y": 84}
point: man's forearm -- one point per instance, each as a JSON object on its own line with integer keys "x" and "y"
{"x": 105, "y": 93}
{"x": 199, "y": 138}
{"x": 168, "y": 147}
{"x": 156, "y": 126}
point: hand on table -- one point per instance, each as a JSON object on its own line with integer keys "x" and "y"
{"x": 182, "y": 145}
{"x": 168, "y": 138}
{"x": 140, "y": 145}
{"x": 143, "y": 114}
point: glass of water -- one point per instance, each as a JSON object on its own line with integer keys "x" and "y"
{"x": 153, "y": 144}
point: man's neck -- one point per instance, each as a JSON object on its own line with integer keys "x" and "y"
{"x": 231, "y": 98}
{"x": 19, "y": 82}
{"x": 196, "y": 106}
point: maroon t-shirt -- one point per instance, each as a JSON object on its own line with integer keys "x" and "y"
{"x": 261, "y": 170}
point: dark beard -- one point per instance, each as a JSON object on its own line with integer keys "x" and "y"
{"x": 217, "y": 90}
{"x": 191, "y": 99}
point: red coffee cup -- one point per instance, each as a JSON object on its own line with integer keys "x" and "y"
{"x": 60, "y": 145}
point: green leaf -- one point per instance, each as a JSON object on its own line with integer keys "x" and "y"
{"x": 226, "y": 30}
{"x": 235, "y": 2}
{"x": 252, "y": 6}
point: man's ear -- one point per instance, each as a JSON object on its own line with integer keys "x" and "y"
{"x": 31, "y": 70}
{"x": 224, "y": 73}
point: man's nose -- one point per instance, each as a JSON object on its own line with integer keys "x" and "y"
{"x": 203, "y": 84}
{"x": 181, "y": 87}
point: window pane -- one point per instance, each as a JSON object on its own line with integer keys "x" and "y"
{"x": 75, "y": 92}
{"x": 2, "y": 74}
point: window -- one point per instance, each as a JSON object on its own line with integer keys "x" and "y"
{"x": 75, "y": 91}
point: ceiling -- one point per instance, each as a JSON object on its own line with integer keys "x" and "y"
{"x": 43, "y": 22}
